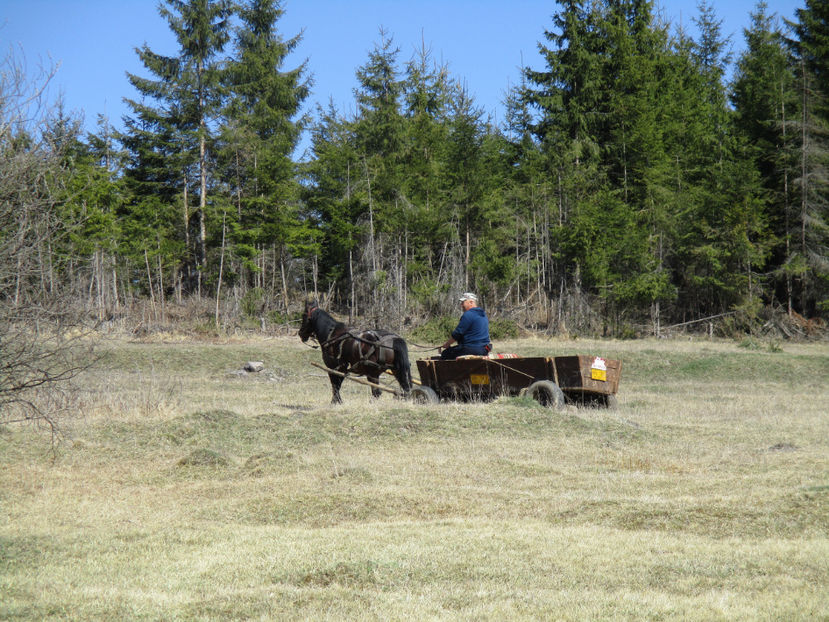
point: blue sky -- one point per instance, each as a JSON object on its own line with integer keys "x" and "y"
{"x": 483, "y": 42}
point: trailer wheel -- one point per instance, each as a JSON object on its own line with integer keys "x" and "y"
{"x": 546, "y": 393}
{"x": 423, "y": 395}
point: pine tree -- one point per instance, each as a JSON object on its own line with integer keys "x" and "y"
{"x": 719, "y": 238}
{"x": 422, "y": 230}
{"x": 765, "y": 102}
{"x": 379, "y": 136}
{"x": 332, "y": 200}
{"x": 565, "y": 96}
{"x": 169, "y": 141}
{"x": 464, "y": 175}
{"x": 812, "y": 181}
{"x": 635, "y": 156}
{"x": 600, "y": 127}
{"x": 264, "y": 123}
{"x": 527, "y": 191}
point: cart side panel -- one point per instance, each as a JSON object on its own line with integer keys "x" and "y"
{"x": 482, "y": 377}
{"x": 462, "y": 379}
{"x": 512, "y": 375}
{"x": 426, "y": 371}
{"x": 585, "y": 373}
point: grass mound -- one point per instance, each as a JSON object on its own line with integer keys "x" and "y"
{"x": 204, "y": 458}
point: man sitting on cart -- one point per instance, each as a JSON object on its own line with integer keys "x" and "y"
{"x": 471, "y": 333}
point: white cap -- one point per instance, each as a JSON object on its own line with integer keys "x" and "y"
{"x": 468, "y": 296}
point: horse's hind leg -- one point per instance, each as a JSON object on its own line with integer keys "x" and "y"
{"x": 336, "y": 383}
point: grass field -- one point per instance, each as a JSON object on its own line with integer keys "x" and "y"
{"x": 184, "y": 491}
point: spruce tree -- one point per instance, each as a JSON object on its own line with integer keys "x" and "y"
{"x": 263, "y": 125}
{"x": 422, "y": 227}
{"x": 812, "y": 181}
{"x": 379, "y": 136}
{"x": 332, "y": 200}
{"x": 599, "y": 124}
{"x": 765, "y": 102}
{"x": 169, "y": 137}
{"x": 565, "y": 96}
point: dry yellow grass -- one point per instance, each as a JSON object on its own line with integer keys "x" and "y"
{"x": 182, "y": 491}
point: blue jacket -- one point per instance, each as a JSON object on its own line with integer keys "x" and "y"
{"x": 473, "y": 328}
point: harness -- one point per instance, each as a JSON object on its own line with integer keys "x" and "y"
{"x": 382, "y": 346}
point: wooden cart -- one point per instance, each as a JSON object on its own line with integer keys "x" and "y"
{"x": 552, "y": 381}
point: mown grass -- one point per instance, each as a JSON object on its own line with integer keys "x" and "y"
{"x": 183, "y": 490}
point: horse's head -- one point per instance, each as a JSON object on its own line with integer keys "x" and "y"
{"x": 306, "y": 329}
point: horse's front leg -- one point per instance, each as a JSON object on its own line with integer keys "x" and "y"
{"x": 336, "y": 383}
{"x": 375, "y": 393}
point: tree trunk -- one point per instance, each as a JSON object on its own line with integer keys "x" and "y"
{"x": 466, "y": 259}
{"x": 161, "y": 297}
{"x": 372, "y": 251}
{"x": 284, "y": 281}
{"x": 150, "y": 282}
{"x": 786, "y": 207}
{"x": 221, "y": 269}
{"x": 202, "y": 259}
{"x": 353, "y": 306}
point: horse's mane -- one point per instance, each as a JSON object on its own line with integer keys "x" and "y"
{"x": 325, "y": 324}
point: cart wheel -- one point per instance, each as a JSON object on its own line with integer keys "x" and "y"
{"x": 423, "y": 395}
{"x": 546, "y": 393}
{"x": 611, "y": 402}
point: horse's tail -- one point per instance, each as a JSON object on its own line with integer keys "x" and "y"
{"x": 402, "y": 368}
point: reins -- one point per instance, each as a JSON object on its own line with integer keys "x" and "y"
{"x": 422, "y": 347}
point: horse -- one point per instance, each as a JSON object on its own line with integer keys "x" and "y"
{"x": 366, "y": 353}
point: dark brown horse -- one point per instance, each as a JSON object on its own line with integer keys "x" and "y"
{"x": 366, "y": 353}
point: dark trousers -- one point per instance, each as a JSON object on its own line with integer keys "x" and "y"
{"x": 455, "y": 351}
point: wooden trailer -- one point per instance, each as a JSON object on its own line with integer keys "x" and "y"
{"x": 552, "y": 381}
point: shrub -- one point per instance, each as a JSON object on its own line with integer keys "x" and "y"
{"x": 503, "y": 329}
{"x": 435, "y": 330}
{"x": 253, "y": 302}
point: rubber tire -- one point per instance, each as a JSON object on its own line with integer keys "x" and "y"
{"x": 423, "y": 395}
{"x": 546, "y": 393}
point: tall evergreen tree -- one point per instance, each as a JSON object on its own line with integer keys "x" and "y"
{"x": 464, "y": 175}
{"x": 635, "y": 72}
{"x": 812, "y": 50}
{"x": 599, "y": 123}
{"x": 380, "y": 139}
{"x": 186, "y": 91}
{"x": 264, "y": 123}
{"x": 720, "y": 239}
{"x": 422, "y": 228}
{"x": 332, "y": 201}
{"x": 565, "y": 95}
{"x": 765, "y": 103}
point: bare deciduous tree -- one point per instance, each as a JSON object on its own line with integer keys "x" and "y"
{"x": 40, "y": 344}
